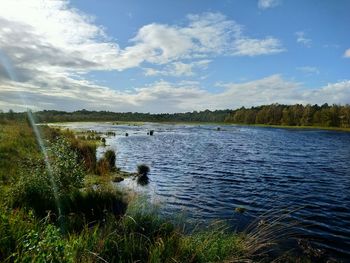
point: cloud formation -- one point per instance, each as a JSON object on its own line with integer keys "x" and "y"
{"x": 51, "y": 46}
{"x": 204, "y": 35}
{"x": 178, "y": 68}
{"x": 309, "y": 70}
{"x": 347, "y": 53}
{"x": 163, "y": 96}
{"x": 265, "y": 4}
{"x": 302, "y": 39}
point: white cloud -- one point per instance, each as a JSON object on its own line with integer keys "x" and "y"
{"x": 332, "y": 93}
{"x": 347, "y": 53}
{"x": 309, "y": 70}
{"x": 255, "y": 47}
{"x": 205, "y": 35}
{"x": 178, "y": 68}
{"x": 302, "y": 39}
{"x": 50, "y": 33}
{"x": 264, "y": 4}
{"x": 162, "y": 96}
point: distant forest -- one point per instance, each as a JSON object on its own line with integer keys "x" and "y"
{"x": 293, "y": 115}
{"x": 274, "y": 114}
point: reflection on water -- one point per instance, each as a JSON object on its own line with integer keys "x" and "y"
{"x": 210, "y": 173}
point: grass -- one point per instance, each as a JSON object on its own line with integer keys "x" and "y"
{"x": 17, "y": 144}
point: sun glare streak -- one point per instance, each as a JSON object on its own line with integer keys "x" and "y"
{"x": 5, "y": 62}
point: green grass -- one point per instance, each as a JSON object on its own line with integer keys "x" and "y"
{"x": 17, "y": 144}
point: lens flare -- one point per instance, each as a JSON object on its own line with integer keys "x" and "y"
{"x": 7, "y": 65}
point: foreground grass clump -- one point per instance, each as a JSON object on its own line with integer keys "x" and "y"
{"x": 92, "y": 207}
{"x": 143, "y": 236}
{"x": 138, "y": 236}
{"x": 25, "y": 239}
{"x": 106, "y": 164}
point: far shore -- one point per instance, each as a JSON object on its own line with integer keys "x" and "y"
{"x": 137, "y": 123}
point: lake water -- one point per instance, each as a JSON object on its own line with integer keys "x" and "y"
{"x": 206, "y": 174}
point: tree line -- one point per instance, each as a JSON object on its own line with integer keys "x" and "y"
{"x": 274, "y": 114}
{"x": 293, "y": 115}
{"x": 85, "y": 115}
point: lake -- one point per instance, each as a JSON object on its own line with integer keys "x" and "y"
{"x": 207, "y": 173}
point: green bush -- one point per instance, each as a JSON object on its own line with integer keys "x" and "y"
{"x": 45, "y": 245}
{"x": 40, "y": 188}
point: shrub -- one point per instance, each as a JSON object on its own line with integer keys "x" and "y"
{"x": 67, "y": 170}
{"x": 34, "y": 191}
{"x": 45, "y": 245}
{"x": 39, "y": 188}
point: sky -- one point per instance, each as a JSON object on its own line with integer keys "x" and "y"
{"x": 172, "y": 56}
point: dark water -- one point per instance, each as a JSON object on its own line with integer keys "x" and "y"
{"x": 208, "y": 173}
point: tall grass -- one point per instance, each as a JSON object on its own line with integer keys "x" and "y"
{"x": 106, "y": 164}
{"x": 17, "y": 143}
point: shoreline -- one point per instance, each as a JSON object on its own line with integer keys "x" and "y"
{"x": 209, "y": 123}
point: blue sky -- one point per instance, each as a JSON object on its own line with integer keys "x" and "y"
{"x": 169, "y": 56}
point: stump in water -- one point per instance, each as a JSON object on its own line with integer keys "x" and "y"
{"x": 142, "y": 177}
